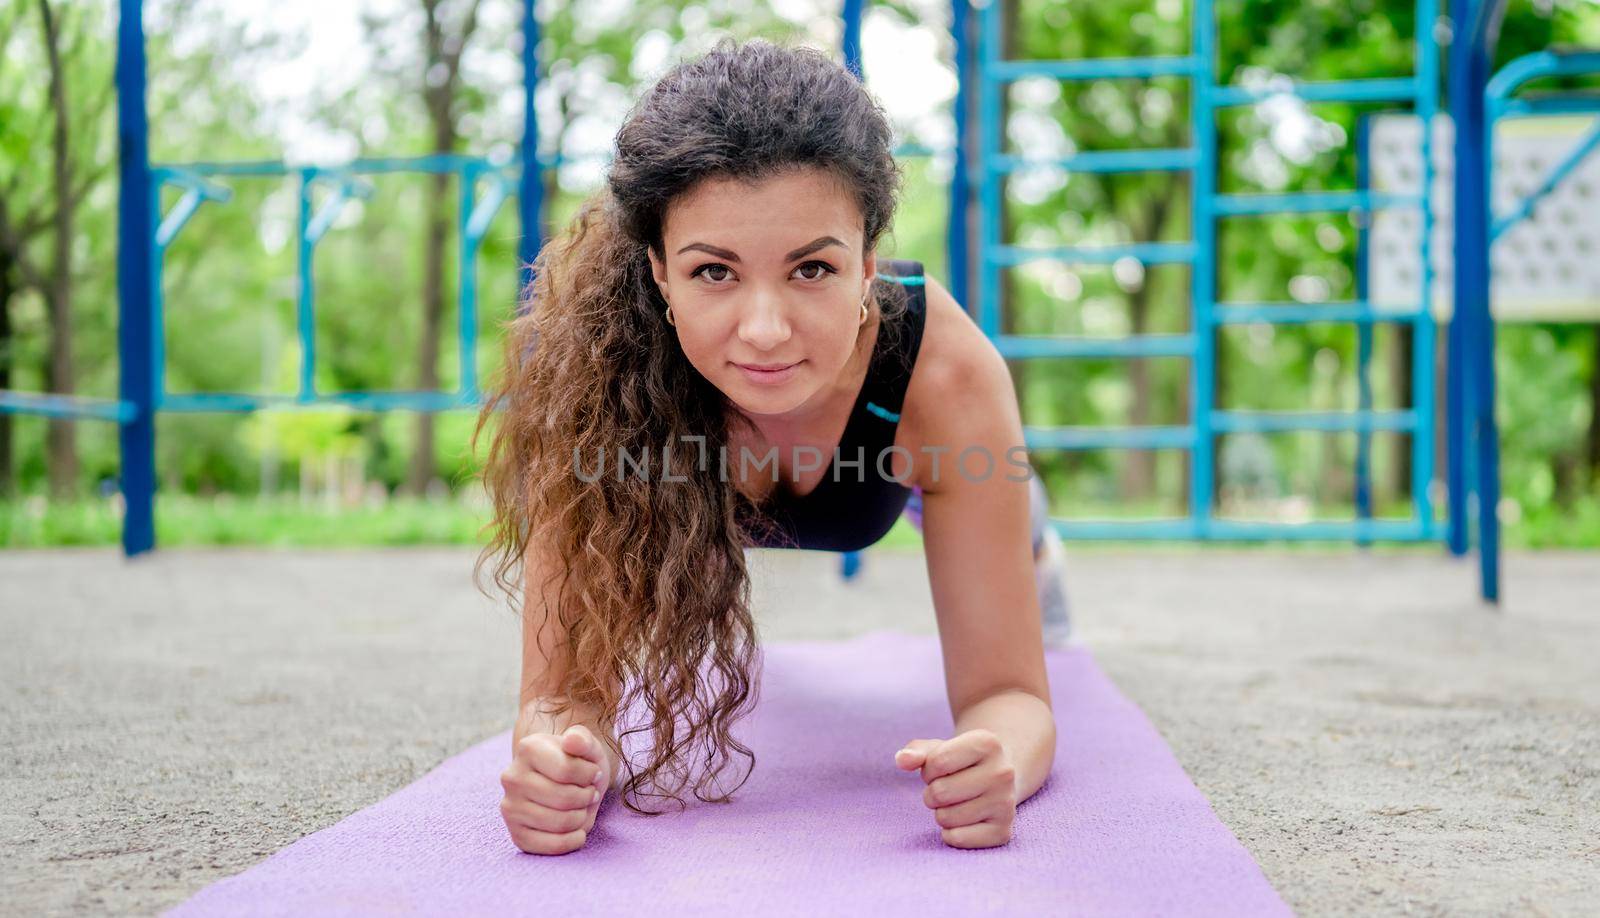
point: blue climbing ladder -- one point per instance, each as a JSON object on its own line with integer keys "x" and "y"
{"x": 1208, "y": 420}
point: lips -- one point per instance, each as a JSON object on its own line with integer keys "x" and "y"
{"x": 765, "y": 367}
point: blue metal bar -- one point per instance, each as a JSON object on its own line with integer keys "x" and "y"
{"x": 481, "y": 214}
{"x": 1244, "y": 531}
{"x": 1363, "y": 482}
{"x": 304, "y": 302}
{"x": 1562, "y": 169}
{"x": 1249, "y": 421}
{"x": 911, "y": 150}
{"x": 850, "y": 562}
{"x": 76, "y": 407}
{"x": 197, "y": 190}
{"x": 189, "y": 179}
{"x": 246, "y": 402}
{"x": 1232, "y": 205}
{"x": 1472, "y": 340}
{"x": 271, "y": 168}
{"x": 1536, "y": 105}
{"x": 1369, "y": 90}
{"x": 991, "y": 86}
{"x": 136, "y": 219}
{"x": 530, "y": 200}
{"x": 1097, "y": 68}
{"x": 1203, "y": 278}
{"x": 1147, "y": 252}
{"x": 1293, "y": 313}
{"x": 344, "y": 188}
{"x": 1125, "y": 530}
{"x": 1465, "y": 96}
{"x": 1423, "y": 331}
{"x": 958, "y": 251}
{"x": 1547, "y": 63}
{"x": 475, "y": 217}
{"x": 1078, "y": 438}
{"x": 177, "y": 217}
{"x": 313, "y": 224}
{"x": 1031, "y": 347}
{"x": 852, "y": 36}
{"x": 1102, "y": 161}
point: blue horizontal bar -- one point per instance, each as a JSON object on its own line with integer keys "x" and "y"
{"x": 441, "y": 163}
{"x": 1322, "y": 531}
{"x": 1361, "y": 313}
{"x": 1147, "y": 252}
{"x": 909, "y": 149}
{"x": 1379, "y": 90}
{"x": 51, "y": 405}
{"x": 1095, "y": 68}
{"x": 1101, "y": 161}
{"x": 1247, "y": 531}
{"x": 1117, "y": 530}
{"x": 1310, "y": 202}
{"x": 271, "y": 168}
{"x": 190, "y": 181}
{"x": 1537, "y": 105}
{"x": 244, "y": 402}
{"x": 1029, "y": 347}
{"x": 1279, "y": 421}
{"x": 1108, "y": 437}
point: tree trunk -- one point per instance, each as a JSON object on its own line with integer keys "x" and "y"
{"x": 434, "y": 242}
{"x": 1592, "y": 453}
{"x": 60, "y": 442}
{"x": 1402, "y": 363}
{"x": 7, "y": 472}
{"x": 441, "y": 51}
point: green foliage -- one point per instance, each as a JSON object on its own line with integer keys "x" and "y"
{"x": 230, "y": 277}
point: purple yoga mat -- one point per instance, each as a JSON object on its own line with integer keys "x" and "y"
{"x": 826, "y": 824}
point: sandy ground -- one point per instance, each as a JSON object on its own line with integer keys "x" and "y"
{"x": 1380, "y": 741}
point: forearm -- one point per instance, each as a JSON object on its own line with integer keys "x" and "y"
{"x": 537, "y": 716}
{"x": 1026, "y": 728}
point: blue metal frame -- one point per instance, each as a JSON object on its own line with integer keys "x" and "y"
{"x": 1208, "y": 420}
{"x": 1475, "y": 440}
{"x": 143, "y": 238}
{"x": 136, "y": 218}
{"x": 316, "y": 218}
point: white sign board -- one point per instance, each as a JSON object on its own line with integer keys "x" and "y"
{"x": 1546, "y": 267}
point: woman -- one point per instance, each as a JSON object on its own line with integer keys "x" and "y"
{"x": 721, "y": 307}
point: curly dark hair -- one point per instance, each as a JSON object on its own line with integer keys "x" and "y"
{"x": 654, "y": 591}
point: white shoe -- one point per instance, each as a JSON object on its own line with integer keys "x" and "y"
{"x": 1049, "y": 572}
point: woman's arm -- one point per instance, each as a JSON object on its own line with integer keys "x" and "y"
{"x": 544, "y": 668}
{"x": 976, "y": 539}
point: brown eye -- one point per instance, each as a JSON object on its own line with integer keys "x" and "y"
{"x": 707, "y": 269}
{"x": 823, "y": 270}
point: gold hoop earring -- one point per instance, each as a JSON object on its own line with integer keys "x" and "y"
{"x": 669, "y": 317}
{"x": 863, "y": 312}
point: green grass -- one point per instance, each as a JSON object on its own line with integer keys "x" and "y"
{"x": 186, "y": 520}
{"x": 189, "y": 520}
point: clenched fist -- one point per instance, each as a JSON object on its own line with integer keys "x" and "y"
{"x": 971, "y": 787}
{"x": 554, "y": 786}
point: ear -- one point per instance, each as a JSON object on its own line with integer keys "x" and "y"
{"x": 870, "y": 267}
{"x": 658, "y": 268}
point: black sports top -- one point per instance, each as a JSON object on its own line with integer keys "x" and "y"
{"x": 856, "y": 505}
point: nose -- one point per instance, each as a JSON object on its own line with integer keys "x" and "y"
{"x": 763, "y": 324}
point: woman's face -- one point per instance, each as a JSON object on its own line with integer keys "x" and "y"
{"x": 766, "y": 275}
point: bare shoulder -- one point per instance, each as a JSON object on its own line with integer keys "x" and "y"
{"x": 960, "y": 386}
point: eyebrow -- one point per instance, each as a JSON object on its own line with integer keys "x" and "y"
{"x": 820, "y": 242}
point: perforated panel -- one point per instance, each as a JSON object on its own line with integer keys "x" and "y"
{"x": 1546, "y": 267}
